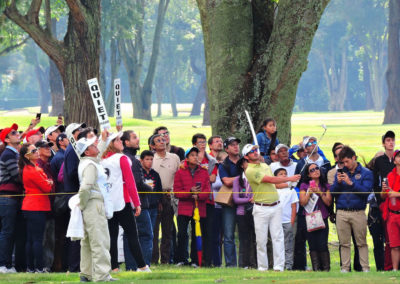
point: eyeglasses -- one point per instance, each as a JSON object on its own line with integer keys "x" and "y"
{"x": 311, "y": 143}
{"x": 161, "y": 140}
{"x": 201, "y": 142}
{"x": 164, "y": 134}
{"x": 313, "y": 170}
{"x": 33, "y": 151}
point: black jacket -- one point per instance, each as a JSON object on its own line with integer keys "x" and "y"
{"x": 139, "y": 179}
{"x": 382, "y": 167}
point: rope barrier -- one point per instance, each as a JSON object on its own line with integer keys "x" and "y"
{"x": 183, "y": 192}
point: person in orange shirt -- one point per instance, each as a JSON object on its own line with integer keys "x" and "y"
{"x": 34, "y": 206}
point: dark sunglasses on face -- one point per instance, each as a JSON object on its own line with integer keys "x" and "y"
{"x": 313, "y": 170}
{"x": 253, "y": 151}
{"x": 33, "y": 151}
{"x": 311, "y": 143}
{"x": 164, "y": 134}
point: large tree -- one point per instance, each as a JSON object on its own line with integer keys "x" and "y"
{"x": 392, "y": 108}
{"x": 255, "y": 53}
{"x": 76, "y": 56}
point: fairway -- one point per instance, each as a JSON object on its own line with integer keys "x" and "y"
{"x": 361, "y": 130}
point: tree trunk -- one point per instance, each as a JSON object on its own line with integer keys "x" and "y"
{"x": 103, "y": 63}
{"x": 77, "y": 57}
{"x": 369, "y": 104}
{"x": 206, "y": 113}
{"x": 200, "y": 97}
{"x": 253, "y": 66}
{"x": 172, "y": 95}
{"x": 159, "y": 85}
{"x": 115, "y": 62}
{"x": 56, "y": 85}
{"x": 392, "y": 108}
{"x": 42, "y": 78}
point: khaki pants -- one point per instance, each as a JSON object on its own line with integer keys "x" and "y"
{"x": 356, "y": 221}
{"x": 95, "y": 245}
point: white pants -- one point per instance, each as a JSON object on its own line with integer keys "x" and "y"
{"x": 269, "y": 217}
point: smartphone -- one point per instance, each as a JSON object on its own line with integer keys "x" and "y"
{"x": 198, "y": 184}
{"x": 312, "y": 183}
{"x": 340, "y": 171}
{"x": 38, "y": 115}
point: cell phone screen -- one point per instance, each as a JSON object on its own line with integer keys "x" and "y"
{"x": 38, "y": 115}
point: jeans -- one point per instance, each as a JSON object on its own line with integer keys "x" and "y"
{"x": 288, "y": 232}
{"x": 300, "y": 254}
{"x": 145, "y": 231}
{"x": 35, "y": 226}
{"x": 228, "y": 224}
{"x": 217, "y": 237}
{"x": 208, "y": 235}
{"x": 153, "y": 217}
{"x": 377, "y": 231}
{"x": 318, "y": 240}
{"x": 8, "y": 214}
{"x": 126, "y": 219}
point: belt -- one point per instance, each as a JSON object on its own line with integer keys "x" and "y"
{"x": 395, "y": 212}
{"x": 267, "y": 204}
{"x": 351, "y": 209}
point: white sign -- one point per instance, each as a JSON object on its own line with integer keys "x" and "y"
{"x": 117, "y": 101}
{"x": 73, "y": 144}
{"x": 99, "y": 104}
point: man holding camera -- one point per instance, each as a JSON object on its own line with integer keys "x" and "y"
{"x": 351, "y": 187}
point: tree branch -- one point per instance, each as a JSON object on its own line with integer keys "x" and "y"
{"x": 76, "y": 9}
{"x": 48, "y": 16}
{"x": 33, "y": 12}
{"x": 12, "y": 47}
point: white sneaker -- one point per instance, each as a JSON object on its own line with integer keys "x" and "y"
{"x": 366, "y": 270}
{"x": 3, "y": 269}
{"x": 11, "y": 270}
{"x": 344, "y": 270}
{"x": 145, "y": 269}
{"x": 262, "y": 269}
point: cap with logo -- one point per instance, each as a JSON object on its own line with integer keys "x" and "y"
{"x": 83, "y": 143}
{"x": 6, "y": 131}
{"x": 248, "y": 148}
{"x": 230, "y": 140}
{"x": 34, "y": 132}
{"x": 71, "y": 128}
{"x": 190, "y": 150}
{"x": 53, "y": 128}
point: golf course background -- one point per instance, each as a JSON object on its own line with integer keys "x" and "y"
{"x": 361, "y": 130}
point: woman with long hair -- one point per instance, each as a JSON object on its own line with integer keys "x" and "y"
{"x": 242, "y": 196}
{"x": 34, "y": 206}
{"x": 316, "y": 187}
{"x": 267, "y": 138}
{"x": 124, "y": 194}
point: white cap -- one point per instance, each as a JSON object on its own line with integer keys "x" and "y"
{"x": 247, "y": 148}
{"x": 280, "y": 146}
{"x": 53, "y": 128}
{"x": 72, "y": 127}
{"x": 83, "y": 144}
{"x": 305, "y": 141}
{"x": 112, "y": 136}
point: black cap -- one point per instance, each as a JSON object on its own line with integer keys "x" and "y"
{"x": 41, "y": 144}
{"x": 190, "y": 150}
{"x": 229, "y": 141}
{"x": 388, "y": 134}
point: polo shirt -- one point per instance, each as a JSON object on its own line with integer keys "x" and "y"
{"x": 233, "y": 170}
{"x": 263, "y": 192}
{"x": 166, "y": 167}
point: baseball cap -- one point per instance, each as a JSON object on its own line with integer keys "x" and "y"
{"x": 388, "y": 134}
{"x": 6, "y": 131}
{"x": 60, "y": 137}
{"x": 112, "y": 136}
{"x": 396, "y": 153}
{"x": 280, "y": 146}
{"x": 247, "y": 148}
{"x": 53, "y": 128}
{"x": 43, "y": 143}
{"x": 305, "y": 141}
{"x": 72, "y": 127}
{"x": 34, "y": 132}
{"x": 83, "y": 144}
{"x": 229, "y": 140}
{"x": 190, "y": 150}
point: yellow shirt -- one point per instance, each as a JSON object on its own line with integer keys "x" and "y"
{"x": 263, "y": 192}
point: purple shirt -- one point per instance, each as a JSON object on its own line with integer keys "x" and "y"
{"x": 241, "y": 198}
{"x": 320, "y": 204}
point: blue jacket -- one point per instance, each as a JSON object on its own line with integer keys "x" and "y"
{"x": 264, "y": 143}
{"x": 55, "y": 165}
{"x": 71, "y": 163}
{"x": 363, "y": 181}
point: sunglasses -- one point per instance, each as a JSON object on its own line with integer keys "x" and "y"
{"x": 252, "y": 151}
{"x": 164, "y": 134}
{"x": 33, "y": 151}
{"x": 313, "y": 170}
{"x": 311, "y": 143}
{"x": 161, "y": 140}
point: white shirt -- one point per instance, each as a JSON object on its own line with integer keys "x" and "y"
{"x": 291, "y": 168}
{"x": 287, "y": 197}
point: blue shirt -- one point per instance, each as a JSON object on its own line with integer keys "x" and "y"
{"x": 233, "y": 170}
{"x": 264, "y": 142}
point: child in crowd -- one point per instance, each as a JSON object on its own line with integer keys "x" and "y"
{"x": 267, "y": 139}
{"x": 289, "y": 204}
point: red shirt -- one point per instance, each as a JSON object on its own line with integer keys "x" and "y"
{"x": 394, "y": 183}
{"x": 35, "y": 182}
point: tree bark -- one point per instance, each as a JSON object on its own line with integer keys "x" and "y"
{"x": 115, "y": 62}
{"x": 56, "y": 85}
{"x": 172, "y": 95}
{"x": 76, "y": 57}
{"x": 255, "y": 58}
{"x": 392, "y": 108}
{"x": 199, "y": 98}
{"x": 206, "y": 113}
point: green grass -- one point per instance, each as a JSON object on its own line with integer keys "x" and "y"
{"x": 362, "y": 130}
